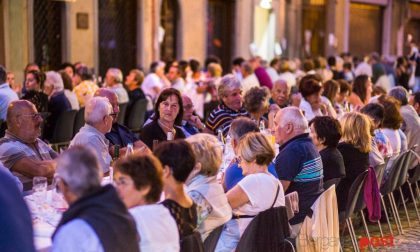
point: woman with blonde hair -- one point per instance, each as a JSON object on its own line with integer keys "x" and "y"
{"x": 213, "y": 209}
{"x": 256, "y": 192}
{"x": 355, "y": 146}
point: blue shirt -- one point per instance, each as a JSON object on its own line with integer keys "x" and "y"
{"x": 233, "y": 174}
{"x": 299, "y": 162}
{"x": 7, "y": 95}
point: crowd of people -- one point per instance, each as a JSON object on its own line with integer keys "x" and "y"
{"x": 331, "y": 119}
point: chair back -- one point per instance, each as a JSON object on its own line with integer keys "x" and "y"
{"x": 408, "y": 157}
{"x": 393, "y": 177}
{"x": 80, "y": 120}
{"x": 210, "y": 242}
{"x": 121, "y": 114}
{"x": 380, "y": 170}
{"x": 135, "y": 119}
{"x": 266, "y": 232}
{"x": 3, "y": 127}
{"x": 63, "y": 131}
{"x": 192, "y": 243}
{"x": 355, "y": 201}
{"x": 330, "y": 182}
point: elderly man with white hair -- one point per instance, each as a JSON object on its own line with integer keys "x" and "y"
{"x": 114, "y": 79}
{"x": 298, "y": 164}
{"x": 96, "y": 219}
{"x": 231, "y": 107}
{"x": 57, "y": 101}
{"x": 98, "y": 117}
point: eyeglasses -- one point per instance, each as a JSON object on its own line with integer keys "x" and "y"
{"x": 33, "y": 116}
{"x": 113, "y": 115}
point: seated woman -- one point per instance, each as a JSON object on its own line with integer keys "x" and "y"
{"x": 354, "y": 147}
{"x": 313, "y": 104}
{"x": 202, "y": 186}
{"x": 256, "y": 102}
{"x": 392, "y": 123}
{"x": 34, "y": 84}
{"x": 341, "y": 103}
{"x": 138, "y": 179}
{"x": 361, "y": 92}
{"x": 58, "y": 102}
{"x": 325, "y": 134}
{"x": 178, "y": 160}
{"x": 168, "y": 113}
{"x": 257, "y": 192}
{"x": 381, "y": 147}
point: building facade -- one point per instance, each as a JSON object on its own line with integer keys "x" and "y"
{"x": 133, "y": 33}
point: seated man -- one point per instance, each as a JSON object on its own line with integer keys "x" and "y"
{"x": 239, "y": 128}
{"x": 280, "y": 94}
{"x": 415, "y": 102}
{"x": 113, "y": 80}
{"x": 119, "y": 134}
{"x": 21, "y": 151}
{"x": 97, "y": 220}
{"x": 98, "y": 118}
{"x": 191, "y": 124}
{"x": 230, "y": 93}
{"x": 298, "y": 164}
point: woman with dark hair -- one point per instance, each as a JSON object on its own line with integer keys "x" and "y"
{"x": 256, "y": 102}
{"x": 376, "y": 112}
{"x": 362, "y": 92}
{"x": 34, "y": 84}
{"x": 331, "y": 89}
{"x": 392, "y": 123}
{"x": 68, "y": 90}
{"x": 138, "y": 179}
{"x": 313, "y": 104}
{"x": 325, "y": 134}
{"x": 178, "y": 160}
{"x": 341, "y": 99}
{"x": 168, "y": 113}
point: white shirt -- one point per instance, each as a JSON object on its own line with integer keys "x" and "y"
{"x": 150, "y": 82}
{"x": 394, "y": 139}
{"x": 272, "y": 73}
{"x": 157, "y": 229}
{"x": 249, "y": 82}
{"x": 121, "y": 93}
{"x": 261, "y": 189}
{"x": 72, "y": 99}
{"x": 289, "y": 78}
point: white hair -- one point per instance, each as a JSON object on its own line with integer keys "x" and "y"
{"x": 116, "y": 73}
{"x": 295, "y": 116}
{"x": 79, "y": 168}
{"x": 96, "y": 108}
{"x": 228, "y": 83}
{"x": 54, "y": 79}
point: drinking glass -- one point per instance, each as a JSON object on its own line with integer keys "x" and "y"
{"x": 39, "y": 189}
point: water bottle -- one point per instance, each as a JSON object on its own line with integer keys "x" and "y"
{"x": 129, "y": 150}
{"x": 262, "y": 127}
{"x": 220, "y": 136}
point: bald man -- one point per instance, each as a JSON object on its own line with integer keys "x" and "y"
{"x": 21, "y": 150}
{"x": 119, "y": 134}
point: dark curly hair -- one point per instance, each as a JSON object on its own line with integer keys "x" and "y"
{"x": 328, "y": 130}
{"x": 145, "y": 171}
{"x": 255, "y": 98}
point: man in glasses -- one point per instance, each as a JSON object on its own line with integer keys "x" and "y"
{"x": 21, "y": 150}
{"x": 119, "y": 134}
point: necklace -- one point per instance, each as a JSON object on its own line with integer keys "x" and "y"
{"x": 166, "y": 129}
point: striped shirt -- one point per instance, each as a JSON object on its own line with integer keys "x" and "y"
{"x": 13, "y": 149}
{"x": 221, "y": 118}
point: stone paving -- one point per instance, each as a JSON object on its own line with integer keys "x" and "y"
{"x": 409, "y": 241}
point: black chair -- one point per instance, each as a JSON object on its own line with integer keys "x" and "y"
{"x": 121, "y": 114}
{"x": 3, "y": 127}
{"x": 210, "y": 242}
{"x": 388, "y": 187}
{"x": 330, "y": 182}
{"x": 259, "y": 234}
{"x": 355, "y": 203}
{"x": 79, "y": 121}
{"x": 135, "y": 119}
{"x": 192, "y": 243}
{"x": 63, "y": 131}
